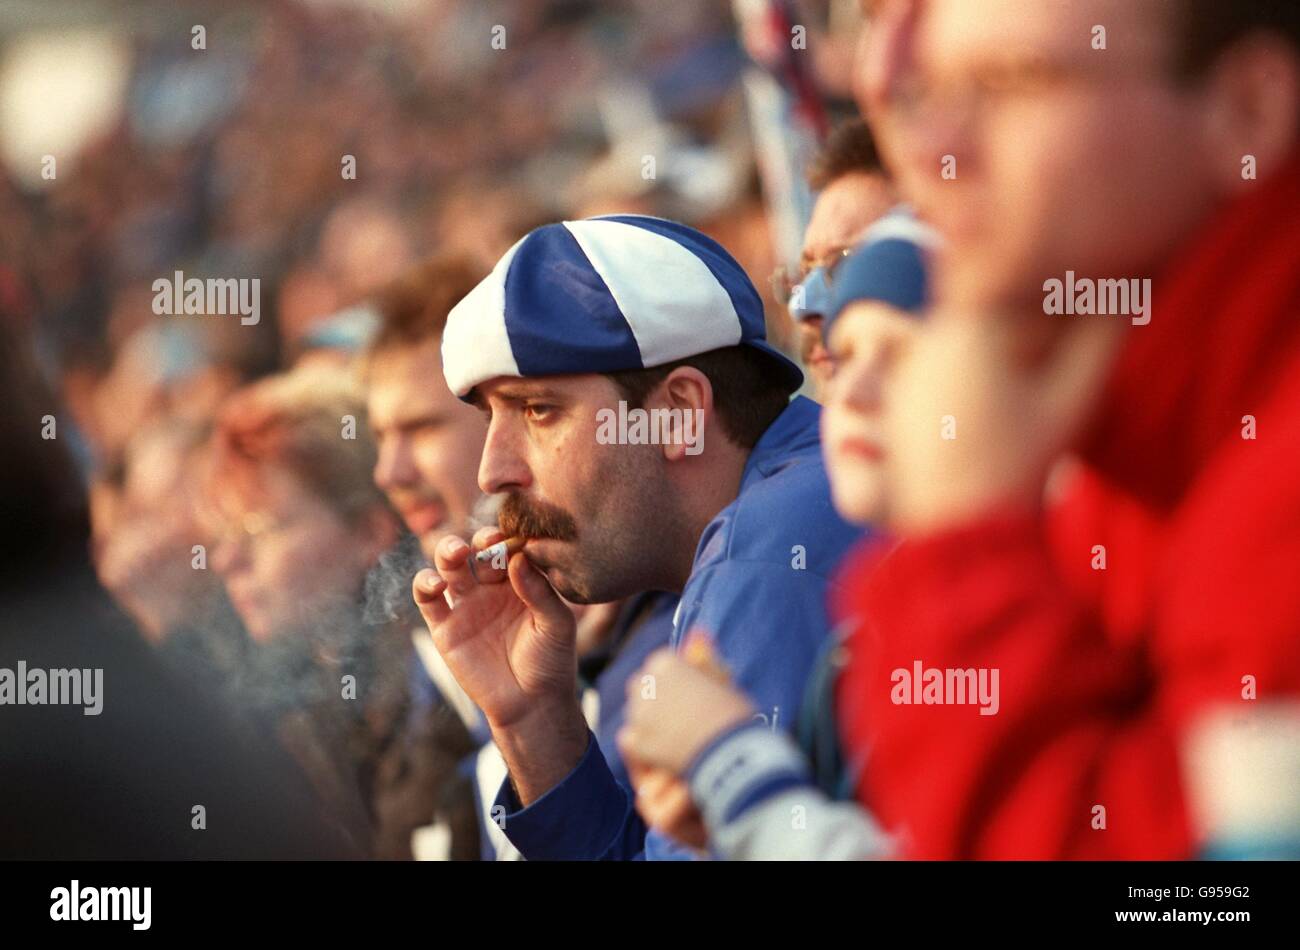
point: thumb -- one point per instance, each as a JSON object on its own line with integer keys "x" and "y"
{"x": 551, "y": 615}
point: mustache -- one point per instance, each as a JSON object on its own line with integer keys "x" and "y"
{"x": 534, "y": 519}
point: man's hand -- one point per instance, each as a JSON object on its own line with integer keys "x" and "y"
{"x": 508, "y": 639}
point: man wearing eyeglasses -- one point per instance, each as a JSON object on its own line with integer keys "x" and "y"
{"x": 853, "y": 191}
{"x": 1136, "y": 613}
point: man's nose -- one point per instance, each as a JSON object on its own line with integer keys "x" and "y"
{"x": 921, "y": 131}
{"x": 502, "y": 467}
{"x": 395, "y": 465}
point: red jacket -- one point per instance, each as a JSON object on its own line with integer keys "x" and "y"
{"x": 1102, "y": 672}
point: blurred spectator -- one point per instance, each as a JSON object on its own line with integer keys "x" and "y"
{"x": 853, "y": 190}
{"x": 1130, "y": 617}
{"x": 158, "y": 773}
{"x": 300, "y": 526}
{"x": 429, "y": 442}
{"x": 151, "y": 554}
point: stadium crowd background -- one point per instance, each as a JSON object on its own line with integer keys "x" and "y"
{"x": 229, "y": 159}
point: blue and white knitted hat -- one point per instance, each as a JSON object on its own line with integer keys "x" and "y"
{"x": 602, "y": 295}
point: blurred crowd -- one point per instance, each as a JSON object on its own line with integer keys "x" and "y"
{"x": 231, "y": 160}
{"x": 260, "y": 497}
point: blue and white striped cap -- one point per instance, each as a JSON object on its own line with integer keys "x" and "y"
{"x": 603, "y": 295}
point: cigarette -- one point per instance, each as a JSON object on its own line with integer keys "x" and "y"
{"x": 503, "y": 548}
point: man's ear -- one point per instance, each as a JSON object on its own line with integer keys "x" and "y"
{"x": 688, "y": 394}
{"x": 1254, "y": 107}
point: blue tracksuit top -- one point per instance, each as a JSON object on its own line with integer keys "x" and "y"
{"x": 759, "y": 587}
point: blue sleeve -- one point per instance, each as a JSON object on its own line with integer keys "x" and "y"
{"x": 611, "y": 685}
{"x": 588, "y": 816}
{"x": 767, "y": 621}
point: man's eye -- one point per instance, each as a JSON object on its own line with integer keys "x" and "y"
{"x": 537, "y": 411}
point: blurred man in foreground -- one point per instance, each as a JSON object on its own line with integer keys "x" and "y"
{"x": 1144, "y": 625}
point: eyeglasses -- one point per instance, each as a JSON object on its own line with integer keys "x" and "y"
{"x": 786, "y": 279}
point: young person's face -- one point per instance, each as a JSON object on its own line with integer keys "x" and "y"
{"x": 865, "y": 343}
{"x": 1059, "y": 156}
{"x": 596, "y": 515}
{"x": 429, "y": 441}
{"x": 286, "y": 557}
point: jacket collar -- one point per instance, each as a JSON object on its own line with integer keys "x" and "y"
{"x": 1225, "y": 319}
{"x": 795, "y": 432}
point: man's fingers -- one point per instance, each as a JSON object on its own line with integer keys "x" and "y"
{"x": 550, "y": 614}
{"x": 486, "y": 536}
{"x": 428, "y": 589}
{"x": 487, "y": 565}
{"x": 450, "y": 558}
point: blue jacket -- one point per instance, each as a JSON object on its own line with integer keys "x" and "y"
{"x": 759, "y": 587}
{"x": 644, "y": 625}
